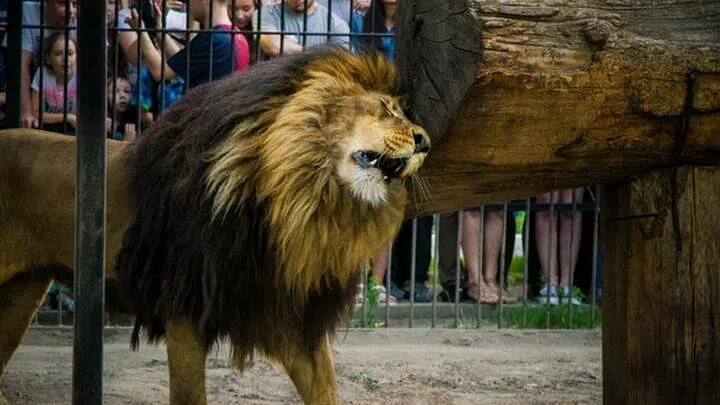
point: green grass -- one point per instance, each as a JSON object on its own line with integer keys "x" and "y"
{"x": 537, "y": 317}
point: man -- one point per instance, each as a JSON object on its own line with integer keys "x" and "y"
{"x": 208, "y": 56}
{"x": 293, "y": 13}
{"x": 56, "y": 12}
{"x": 345, "y": 8}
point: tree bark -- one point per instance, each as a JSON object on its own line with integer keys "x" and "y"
{"x": 661, "y": 304}
{"x": 523, "y": 97}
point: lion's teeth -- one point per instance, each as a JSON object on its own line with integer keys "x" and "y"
{"x": 373, "y": 162}
{"x": 385, "y": 177}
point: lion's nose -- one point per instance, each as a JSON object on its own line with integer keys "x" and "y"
{"x": 422, "y": 142}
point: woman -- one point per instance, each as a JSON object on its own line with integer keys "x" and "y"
{"x": 378, "y": 19}
{"x": 241, "y": 14}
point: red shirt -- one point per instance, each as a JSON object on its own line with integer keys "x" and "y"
{"x": 242, "y": 50}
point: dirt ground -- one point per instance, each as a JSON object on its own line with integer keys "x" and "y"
{"x": 394, "y": 366}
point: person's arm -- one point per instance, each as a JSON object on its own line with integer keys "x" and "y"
{"x": 340, "y": 27}
{"x": 49, "y": 118}
{"x": 150, "y": 54}
{"x": 128, "y": 43}
{"x": 270, "y": 44}
{"x": 171, "y": 45}
{"x": 27, "y": 120}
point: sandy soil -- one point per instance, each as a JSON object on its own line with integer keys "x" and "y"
{"x": 395, "y": 366}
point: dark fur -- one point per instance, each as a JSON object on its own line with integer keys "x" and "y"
{"x": 177, "y": 262}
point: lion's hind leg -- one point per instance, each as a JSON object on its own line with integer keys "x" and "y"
{"x": 312, "y": 373}
{"x": 20, "y": 297}
{"x": 186, "y": 363}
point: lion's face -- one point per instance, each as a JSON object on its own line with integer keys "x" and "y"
{"x": 383, "y": 147}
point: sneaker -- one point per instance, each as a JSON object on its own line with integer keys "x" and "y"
{"x": 548, "y": 294}
{"x": 397, "y": 292}
{"x": 422, "y": 293}
{"x": 565, "y": 294}
{"x": 383, "y": 297}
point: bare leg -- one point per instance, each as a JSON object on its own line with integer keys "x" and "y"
{"x": 570, "y": 233}
{"x": 186, "y": 363}
{"x": 470, "y": 247}
{"x": 546, "y": 236}
{"x": 493, "y": 246}
{"x": 313, "y": 374}
{"x": 20, "y": 298}
{"x": 380, "y": 261}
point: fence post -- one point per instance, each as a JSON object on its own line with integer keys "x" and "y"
{"x": 90, "y": 204}
{"x": 661, "y": 302}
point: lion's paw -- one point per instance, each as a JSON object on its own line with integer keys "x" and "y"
{"x": 3, "y": 401}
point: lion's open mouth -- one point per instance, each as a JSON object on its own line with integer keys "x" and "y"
{"x": 390, "y": 167}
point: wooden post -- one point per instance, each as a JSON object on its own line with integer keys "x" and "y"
{"x": 661, "y": 342}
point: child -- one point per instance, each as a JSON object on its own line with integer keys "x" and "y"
{"x": 56, "y": 84}
{"x": 119, "y": 109}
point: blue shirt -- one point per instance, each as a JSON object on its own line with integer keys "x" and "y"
{"x": 198, "y": 70}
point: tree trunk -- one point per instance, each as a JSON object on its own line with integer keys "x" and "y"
{"x": 524, "y": 97}
{"x": 662, "y": 289}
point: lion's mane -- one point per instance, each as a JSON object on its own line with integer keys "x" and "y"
{"x": 241, "y": 224}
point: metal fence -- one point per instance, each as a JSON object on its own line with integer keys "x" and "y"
{"x": 137, "y": 97}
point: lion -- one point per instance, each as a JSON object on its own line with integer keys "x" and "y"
{"x": 244, "y": 214}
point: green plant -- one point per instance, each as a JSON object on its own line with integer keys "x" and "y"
{"x": 371, "y": 302}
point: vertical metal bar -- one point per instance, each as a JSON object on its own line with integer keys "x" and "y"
{"x": 526, "y": 250}
{"x": 388, "y": 273}
{"x": 501, "y": 282}
{"x": 480, "y": 266}
{"x": 232, "y": 37}
{"x": 90, "y": 205}
{"x": 282, "y": 27}
{"x": 257, "y": 31}
{"x": 549, "y": 260}
{"x": 212, "y": 40}
{"x": 138, "y": 77}
{"x": 329, "y": 18}
{"x": 66, "y": 79}
{"x": 14, "y": 70}
{"x": 572, "y": 267}
{"x": 162, "y": 56}
{"x": 596, "y": 227}
{"x": 188, "y": 26}
{"x": 364, "y": 318}
{"x": 116, "y": 58}
{"x": 457, "y": 269}
{"x": 305, "y": 19}
{"x": 59, "y": 308}
{"x": 413, "y": 268}
{"x": 436, "y": 221}
{"x": 41, "y": 68}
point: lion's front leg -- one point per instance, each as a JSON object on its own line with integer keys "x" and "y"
{"x": 313, "y": 374}
{"x": 186, "y": 363}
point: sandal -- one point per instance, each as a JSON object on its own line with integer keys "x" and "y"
{"x": 484, "y": 295}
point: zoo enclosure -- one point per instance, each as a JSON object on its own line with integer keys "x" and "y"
{"x": 368, "y": 313}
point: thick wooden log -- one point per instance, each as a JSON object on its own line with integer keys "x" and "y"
{"x": 536, "y": 95}
{"x": 662, "y": 288}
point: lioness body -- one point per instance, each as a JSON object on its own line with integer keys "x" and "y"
{"x": 37, "y": 207}
{"x": 243, "y": 214}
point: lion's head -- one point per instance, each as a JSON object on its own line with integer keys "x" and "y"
{"x": 332, "y": 159}
{"x": 270, "y": 188}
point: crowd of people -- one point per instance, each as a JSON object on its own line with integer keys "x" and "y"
{"x": 158, "y": 49}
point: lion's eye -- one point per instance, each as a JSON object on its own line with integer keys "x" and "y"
{"x": 389, "y": 107}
